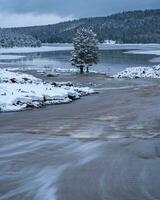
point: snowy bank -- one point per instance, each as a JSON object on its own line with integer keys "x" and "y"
{"x": 54, "y": 72}
{"x": 21, "y": 91}
{"x": 58, "y": 71}
{"x": 140, "y": 72}
{"x": 7, "y": 76}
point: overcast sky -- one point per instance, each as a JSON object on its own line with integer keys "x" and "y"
{"x": 37, "y": 12}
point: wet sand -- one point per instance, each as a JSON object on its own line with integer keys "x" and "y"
{"x": 43, "y": 167}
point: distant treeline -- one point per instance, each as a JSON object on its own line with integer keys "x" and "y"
{"x": 10, "y": 38}
{"x": 126, "y": 27}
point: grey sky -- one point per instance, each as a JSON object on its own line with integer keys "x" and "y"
{"x": 52, "y": 11}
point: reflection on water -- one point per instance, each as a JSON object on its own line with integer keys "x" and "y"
{"x": 111, "y": 61}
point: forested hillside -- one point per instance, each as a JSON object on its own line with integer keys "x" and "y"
{"x": 126, "y": 27}
{"x": 10, "y": 38}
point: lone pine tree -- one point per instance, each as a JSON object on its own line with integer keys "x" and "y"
{"x": 85, "y": 52}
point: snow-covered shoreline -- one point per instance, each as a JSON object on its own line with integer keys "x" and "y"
{"x": 139, "y": 72}
{"x": 19, "y": 91}
{"x": 54, "y": 72}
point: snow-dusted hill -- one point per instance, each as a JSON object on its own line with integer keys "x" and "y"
{"x": 127, "y": 27}
{"x": 10, "y": 38}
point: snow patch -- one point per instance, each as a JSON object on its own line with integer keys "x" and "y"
{"x": 109, "y": 42}
{"x": 139, "y": 72}
{"x": 16, "y": 77}
{"x": 20, "y": 91}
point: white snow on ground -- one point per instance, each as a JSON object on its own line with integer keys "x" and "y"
{"x": 19, "y": 91}
{"x": 139, "y": 72}
{"x": 109, "y": 42}
{"x": 12, "y": 69}
{"x": 15, "y": 77}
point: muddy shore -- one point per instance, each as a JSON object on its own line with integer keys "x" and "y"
{"x": 122, "y": 108}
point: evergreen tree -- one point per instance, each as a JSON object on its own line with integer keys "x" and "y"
{"x": 85, "y": 52}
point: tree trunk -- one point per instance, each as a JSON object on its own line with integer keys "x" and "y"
{"x": 81, "y": 70}
{"x": 87, "y": 70}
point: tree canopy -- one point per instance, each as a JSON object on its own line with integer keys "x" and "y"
{"x": 85, "y": 52}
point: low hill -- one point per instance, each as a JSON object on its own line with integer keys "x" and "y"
{"x": 10, "y": 38}
{"x": 126, "y": 27}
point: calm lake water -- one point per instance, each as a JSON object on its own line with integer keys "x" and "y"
{"x": 111, "y": 60}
